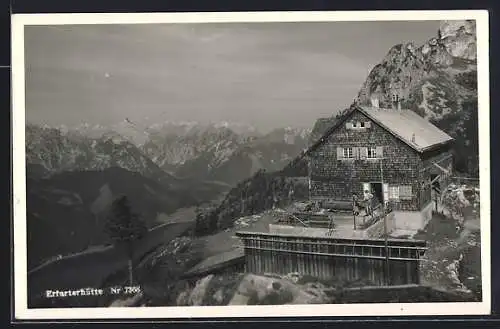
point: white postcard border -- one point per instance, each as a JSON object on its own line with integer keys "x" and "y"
{"x": 389, "y": 309}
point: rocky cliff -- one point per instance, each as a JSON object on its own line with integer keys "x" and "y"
{"x": 433, "y": 79}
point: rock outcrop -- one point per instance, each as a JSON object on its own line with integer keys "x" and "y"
{"x": 432, "y": 79}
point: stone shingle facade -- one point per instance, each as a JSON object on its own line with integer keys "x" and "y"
{"x": 362, "y": 153}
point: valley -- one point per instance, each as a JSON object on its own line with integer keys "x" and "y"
{"x": 67, "y": 211}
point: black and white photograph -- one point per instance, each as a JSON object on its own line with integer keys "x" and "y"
{"x": 180, "y": 165}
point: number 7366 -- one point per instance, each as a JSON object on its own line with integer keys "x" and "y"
{"x": 131, "y": 289}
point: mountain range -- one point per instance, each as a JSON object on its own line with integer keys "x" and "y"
{"x": 222, "y": 151}
{"x": 223, "y": 155}
{"x": 55, "y": 151}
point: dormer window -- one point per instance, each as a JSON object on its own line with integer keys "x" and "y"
{"x": 358, "y": 125}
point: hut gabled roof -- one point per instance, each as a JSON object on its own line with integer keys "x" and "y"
{"x": 405, "y": 125}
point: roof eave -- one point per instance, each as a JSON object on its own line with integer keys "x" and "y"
{"x": 435, "y": 146}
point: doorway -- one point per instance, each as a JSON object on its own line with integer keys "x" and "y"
{"x": 377, "y": 191}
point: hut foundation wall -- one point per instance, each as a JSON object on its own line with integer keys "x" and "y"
{"x": 412, "y": 220}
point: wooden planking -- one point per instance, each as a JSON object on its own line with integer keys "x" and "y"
{"x": 327, "y": 258}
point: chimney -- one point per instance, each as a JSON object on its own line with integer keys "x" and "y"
{"x": 374, "y": 101}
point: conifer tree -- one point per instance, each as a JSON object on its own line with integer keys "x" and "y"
{"x": 125, "y": 228}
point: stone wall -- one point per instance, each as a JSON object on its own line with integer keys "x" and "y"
{"x": 413, "y": 220}
{"x": 409, "y": 221}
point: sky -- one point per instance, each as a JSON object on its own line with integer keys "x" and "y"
{"x": 268, "y": 75}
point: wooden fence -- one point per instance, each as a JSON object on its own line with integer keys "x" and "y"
{"x": 333, "y": 258}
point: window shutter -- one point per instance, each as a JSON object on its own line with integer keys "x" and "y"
{"x": 363, "y": 152}
{"x": 340, "y": 153}
{"x": 366, "y": 186}
{"x": 368, "y": 124}
{"x": 356, "y": 152}
{"x": 380, "y": 152}
{"x": 385, "y": 189}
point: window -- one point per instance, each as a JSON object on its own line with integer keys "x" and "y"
{"x": 405, "y": 192}
{"x": 372, "y": 152}
{"x": 357, "y": 125}
{"x": 394, "y": 192}
{"x": 348, "y": 152}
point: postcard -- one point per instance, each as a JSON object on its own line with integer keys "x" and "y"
{"x": 251, "y": 164}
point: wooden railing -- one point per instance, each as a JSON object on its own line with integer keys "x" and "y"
{"x": 474, "y": 181}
